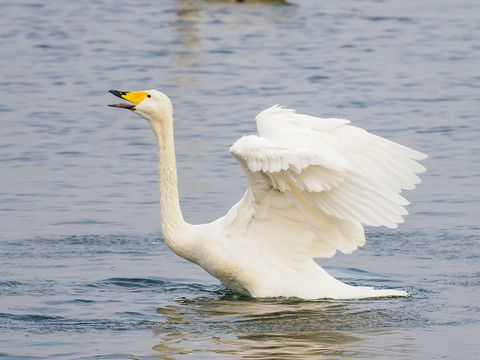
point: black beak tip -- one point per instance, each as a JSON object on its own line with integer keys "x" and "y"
{"x": 120, "y": 94}
{"x": 117, "y": 93}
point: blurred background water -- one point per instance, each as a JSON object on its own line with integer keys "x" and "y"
{"x": 84, "y": 271}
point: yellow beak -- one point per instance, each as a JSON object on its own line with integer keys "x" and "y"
{"x": 135, "y": 97}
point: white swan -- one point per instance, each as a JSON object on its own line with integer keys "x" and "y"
{"x": 311, "y": 183}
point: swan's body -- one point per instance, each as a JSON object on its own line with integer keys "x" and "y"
{"x": 312, "y": 182}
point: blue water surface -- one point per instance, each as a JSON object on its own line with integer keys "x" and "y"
{"x": 84, "y": 270}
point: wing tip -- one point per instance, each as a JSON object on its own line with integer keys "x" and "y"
{"x": 275, "y": 109}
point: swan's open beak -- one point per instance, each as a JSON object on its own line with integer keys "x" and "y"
{"x": 134, "y": 97}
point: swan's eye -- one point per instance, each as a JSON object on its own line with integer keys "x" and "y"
{"x": 149, "y": 96}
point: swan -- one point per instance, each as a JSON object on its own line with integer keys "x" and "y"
{"x": 312, "y": 183}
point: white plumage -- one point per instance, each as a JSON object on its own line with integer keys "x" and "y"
{"x": 312, "y": 182}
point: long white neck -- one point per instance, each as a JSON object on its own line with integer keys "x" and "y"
{"x": 174, "y": 228}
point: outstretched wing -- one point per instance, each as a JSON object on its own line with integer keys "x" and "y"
{"x": 312, "y": 182}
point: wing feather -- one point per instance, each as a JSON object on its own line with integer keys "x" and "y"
{"x": 312, "y": 182}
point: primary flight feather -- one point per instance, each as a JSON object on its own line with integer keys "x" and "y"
{"x": 312, "y": 183}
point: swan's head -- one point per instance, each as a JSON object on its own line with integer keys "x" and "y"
{"x": 150, "y": 104}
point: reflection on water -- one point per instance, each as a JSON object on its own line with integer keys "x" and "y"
{"x": 190, "y": 16}
{"x": 186, "y": 28}
{"x": 280, "y": 329}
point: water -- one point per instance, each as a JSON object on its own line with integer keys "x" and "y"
{"x": 84, "y": 271}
